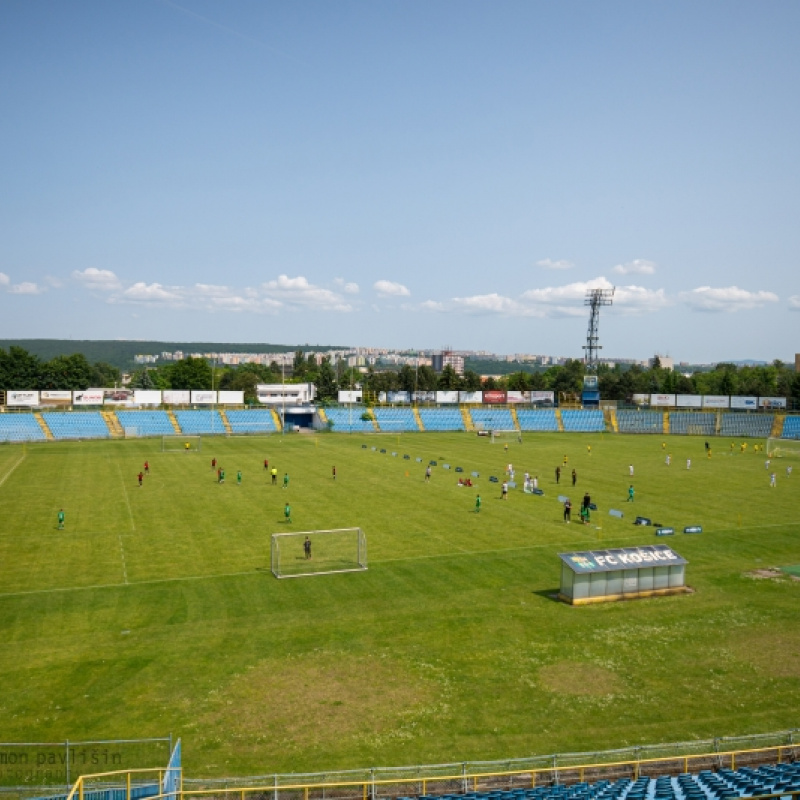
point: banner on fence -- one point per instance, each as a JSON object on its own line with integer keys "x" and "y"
{"x": 231, "y": 398}
{"x": 88, "y": 397}
{"x": 716, "y": 401}
{"x": 117, "y": 397}
{"x": 177, "y": 397}
{"x": 399, "y": 397}
{"x": 449, "y": 397}
{"x": 662, "y": 400}
{"x": 494, "y": 396}
{"x": 350, "y": 396}
{"x": 772, "y": 402}
{"x": 470, "y": 397}
{"x": 689, "y": 401}
{"x": 55, "y": 398}
{"x": 543, "y": 398}
{"x": 22, "y": 398}
{"x": 147, "y": 397}
{"x": 517, "y": 397}
{"x": 749, "y": 403}
{"x": 203, "y": 397}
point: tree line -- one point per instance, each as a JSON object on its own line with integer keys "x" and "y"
{"x": 19, "y": 370}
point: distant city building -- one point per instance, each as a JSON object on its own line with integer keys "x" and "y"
{"x": 666, "y": 362}
{"x": 441, "y": 360}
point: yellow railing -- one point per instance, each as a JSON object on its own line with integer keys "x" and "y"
{"x": 103, "y": 781}
{"x": 374, "y": 788}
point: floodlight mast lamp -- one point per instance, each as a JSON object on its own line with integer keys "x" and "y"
{"x": 595, "y": 298}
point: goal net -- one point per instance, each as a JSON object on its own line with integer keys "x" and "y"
{"x": 180, "y": 444}
{"x": 295, "y": 555}
{"x": 506, "y": 436}
{"x": 779, "y": 448}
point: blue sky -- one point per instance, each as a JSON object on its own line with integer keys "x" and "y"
{"x": 403, "y": 174}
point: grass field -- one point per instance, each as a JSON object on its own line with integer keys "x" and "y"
{"x": 155, "y": 610}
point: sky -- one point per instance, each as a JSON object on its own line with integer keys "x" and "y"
{"x": 404, "y": 174}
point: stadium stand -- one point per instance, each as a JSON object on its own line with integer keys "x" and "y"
{"x": 194, "y": 422}
{"x": 583, "y": 421}
{"x": 146, "y": 423}
{"x": 251, "y": 421}
{"x": 791, "y": 428}
{"x": 700, "y": 423}
{"x": 76, "y": 425}
{"x": 20, "y": 428}
{"x": 396, "y": 419}
{"x": 492, "y": 419}
{"x": 537, "y": 419}
{"x": 757, "y": 425}
{"x": 724, "y": 784}
{"x": 630, "y": 421}
{"x": 441, "y": 419}
{"x": 346, "y": 420}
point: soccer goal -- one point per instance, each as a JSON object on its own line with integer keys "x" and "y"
{"x": 325, "y": 552}
{"x": 778, "y": 448}
{"x": 506, "y": 436}
{"x": 180, "y": 444}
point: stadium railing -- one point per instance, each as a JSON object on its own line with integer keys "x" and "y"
{"x": 710, "y": 775}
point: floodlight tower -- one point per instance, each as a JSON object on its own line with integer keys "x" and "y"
{"x": 595, "y": 298}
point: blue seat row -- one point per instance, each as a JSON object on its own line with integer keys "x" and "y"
{"x": 396, "y": 419}
{"x": 758, "y": 426}
{"x": 492, "y": 419}
{"x": 20, "y": 428}
{"x": 146, "y": 423}
{"x": 195, "y": 422}
{"x": 441, "y": 419}
{"x": 76, "y": 425}
{"x": 700, "y": 423}
{"x": 537, "y": 419}
{"x": 251, "y": 421}
{"x": 348, "y": 420}
{"x": 630, "y": 421}
{"x": 583, "y": 421}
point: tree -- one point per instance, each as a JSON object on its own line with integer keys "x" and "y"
{"x": 71, "y": 373}
{"x": 426, "y": 379}
{"x": 326, "y": 381}
{"x": 518, "y": 381}
{"x": 190, "y": 373}
{"x": 471, "y": 381}
{"x": 449, "y": 380}
{"x": 19, "y": 370}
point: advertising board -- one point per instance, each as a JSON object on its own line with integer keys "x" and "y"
{"x": 744, "y": 403}
{"x": 203, "y": 397}
{"x": 494, "y": 396}
{"x": 716, "y": 401}
{"x": 176, "y": 397}
{"x": 147, "y": 397}
{"x": 88, "y": 397}
{"x": 689, "y": 401}
{"x": 22, "y": 398}
{"x": 49, "y": 397}
{"x": 662, "y": 400}
{"x": 231, "y": 398}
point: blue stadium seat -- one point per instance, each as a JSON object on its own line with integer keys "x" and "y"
{"x": 396, "y": 419}
{"x": 695, "y": 423}
{"x": 537, "y": 419}
{"x": 251, "y": 421}
{"x": 146, "y": 423}
{"x": 746, "y": 424}
{"x": 441, "y": 419}
{"x": 630, "y": 421}
{"x": 587, "y": 421}
{"x": 195, "y": 422}
{"x": 76, "y": 424}
{"x": 348, "y": 420}
{"x": 20, "y": 428}
{"x": 492, "y": 419}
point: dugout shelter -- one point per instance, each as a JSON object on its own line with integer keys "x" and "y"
{"x": 622, "y": 573}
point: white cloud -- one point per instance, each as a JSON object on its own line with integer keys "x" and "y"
{"x": 432, "y": 305}
{"x": 794, "y": 302}
{"x": 548, "y": 263}
{"x": 346, "y": 287}
{"x": 101, "y": 279}
{"x": 390, "y": 289}
{"x": 299, "y": 293}
{"x": 638, "y": 266}
{"x": 488, "y": 304}
{"x": 4, "y": 279}
{"x": 153, "y": 293}
{"x": 729, "y": 298}
{"x": 26, "y": 287}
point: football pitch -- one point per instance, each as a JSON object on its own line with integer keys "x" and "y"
{"x": 155, "y": 611}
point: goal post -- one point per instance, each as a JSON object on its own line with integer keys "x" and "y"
{"x": 180, "y": 443}
{"x": 779, "y": 448}
{"x": 327, "y": 552}
{"x": 506, "y": 436}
